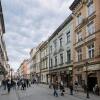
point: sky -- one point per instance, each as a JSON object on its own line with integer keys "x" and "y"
{"x": 28, "y": 22}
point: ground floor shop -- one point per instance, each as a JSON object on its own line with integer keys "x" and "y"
{"x": 62, "y": 74}
{"x": 45, "y": 77}
{"x": 92, "y": 77}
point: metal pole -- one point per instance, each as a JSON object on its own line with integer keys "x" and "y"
{"x": 87, "y": 90}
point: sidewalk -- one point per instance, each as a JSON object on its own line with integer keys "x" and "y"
{"x": 5, "y": 96}
{"x": 80, "y": 95}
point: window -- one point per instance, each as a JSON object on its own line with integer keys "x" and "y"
{"x": 79, "y": 19}
{"x": 79, "y": 36}
{"x": 79, "y": 54}
{"x": 61, "y": 58}
{"x": 68, "y": 56}
{"x": 91, "y": 28}
{"x": 68, "y": 37}
{"x": 55, "y": 60}
{"x": 91, "y": 50}
{"x": 60, "y": 42}
{"x": 90, "y": 7}
{"x": 51, "y": 63}
{"x": 51, "y": 49}
{"x": 55, "y": 44}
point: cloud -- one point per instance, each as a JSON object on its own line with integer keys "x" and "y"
{"x": 28, "y": 22}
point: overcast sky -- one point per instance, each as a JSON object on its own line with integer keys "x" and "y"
{"x": 28, "y": 22}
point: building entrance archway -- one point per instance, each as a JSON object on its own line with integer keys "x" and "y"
{"x": 92, "y": 80}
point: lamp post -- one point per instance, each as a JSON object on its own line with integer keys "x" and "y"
{"x": 11, "y": 72}
{"x": 87, "y": 88}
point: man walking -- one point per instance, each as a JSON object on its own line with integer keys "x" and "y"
{"x": 55, "y": 87}
{"x": 71, "y": 88}
{"x": 62, "y": 88}
{"x": 8, "y": 85}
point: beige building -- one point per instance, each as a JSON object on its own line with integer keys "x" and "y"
{"x": 86, "y": 17}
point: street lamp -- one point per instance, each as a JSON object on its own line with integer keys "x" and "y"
{"x": 11, "y": 72}
{"x": 87, "y": 88}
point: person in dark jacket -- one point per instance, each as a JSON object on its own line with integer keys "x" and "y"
{"x": 4, "y": 83}
{"x": 8, "y": 85}
{"x": 55, "y": 87}
{"x": 71, "y": 88}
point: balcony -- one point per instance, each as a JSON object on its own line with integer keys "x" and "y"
{"x": 79, "y": 43}
{"x": 83, "y": 22}
{"x": 55, "y": 52}
{"x": 90, "y": 37}
{"x": 61, "y": 49}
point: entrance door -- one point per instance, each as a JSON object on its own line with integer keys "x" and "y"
{"x": 91, "y": 82}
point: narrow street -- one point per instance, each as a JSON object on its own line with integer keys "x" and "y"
{"x": 41, "y": 92}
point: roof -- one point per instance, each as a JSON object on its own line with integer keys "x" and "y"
{"x": 2, "y": 18}
{"x": 69, "y": 18}
{"x": 44, "y": 44}
{"x": 74, "y": 4}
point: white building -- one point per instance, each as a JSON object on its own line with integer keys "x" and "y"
{"x": 44, "y": 62}
{"x": 60, "y": 52}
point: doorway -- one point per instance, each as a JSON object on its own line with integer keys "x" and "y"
{"x": 91, "y": 82}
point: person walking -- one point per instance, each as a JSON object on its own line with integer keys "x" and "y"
{"x": 62, "y": 88}
{"x": 8, "y": 85}
{"x": 27, "y": 83}
{"x": 71, "y": 88}
{"x": 76, "y": 86}
{"x": 55, "y": 88}
{"x": 96, "y": 89}
{"x": 4, "y": 83}
{"x": 18, "y": 84}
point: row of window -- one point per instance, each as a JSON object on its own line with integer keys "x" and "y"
{"x": 90, "y": 30}
{"x": 68, "y": 56}
{"x": 44, "y": 53}
{"x": 90, "y": 8}
{"x": 44, "y": 64}
{"x": 60, "y": 41}
{"x": 90, "y": 53}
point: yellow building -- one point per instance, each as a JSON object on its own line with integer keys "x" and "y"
{"x": 86, "y": 16}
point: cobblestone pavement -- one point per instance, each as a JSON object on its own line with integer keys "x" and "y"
{"x": 42, "y": 92}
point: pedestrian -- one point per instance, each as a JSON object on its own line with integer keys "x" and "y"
{"x": 50, "y": 84}
{"x": 55, "y": 88}
{"x": 96, "y": 89}
{"x": 4, "y": 83}
{"x": 71, "y": 88}
{"x": 27, "y": 83}
{"x": 8, "y": 85}
{"x": 62, "y": 88}
{"x": 14, "y": 84}
{"x": 76, "y": 86}
{"x": 18, "y": 84}
{"x": 22, "y": 85}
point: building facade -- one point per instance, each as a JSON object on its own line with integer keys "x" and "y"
{"x": 3, "y": 52}
{"x": 86, "y": 43}
{"x": 24, "y": 69}
{"x": 44, "y": 62}
{"x": 35, "y": 63}
{"x": 60, "y": 52}
{"x": 32, "y": 63}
